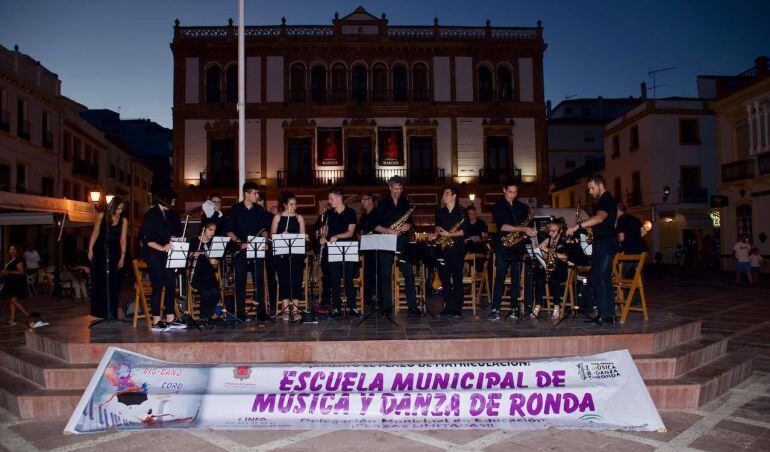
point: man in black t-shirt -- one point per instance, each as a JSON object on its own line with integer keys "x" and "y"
{"x": 509, "y": 214}
{"x": 451, "y": 272}
{"x": 366, "y": 226}
{"x": 630, "y": 232}
{"x": 605, "y": 246}
{"x": 340, "y": 227}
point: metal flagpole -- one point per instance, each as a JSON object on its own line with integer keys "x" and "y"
{"x": 241, "y": 100}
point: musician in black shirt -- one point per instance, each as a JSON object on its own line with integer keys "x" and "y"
{"x": 340, "y": 227}
{"x": 605, "y": 246}
{"x": 451, "y": 222}
{"x": 509, "y": 214}
{"x": 217, "y": 216}
{"x": 158, "y": 226}
{"x": 389, "y": 210}
{"x": 270, "y": 267}
{"x": 204, "y": 273}
{"x": 366, "y": 226}
{"x": 246, "y": 219}
{"x": 630, "y": 232}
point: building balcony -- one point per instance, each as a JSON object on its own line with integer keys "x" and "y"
{"x": 85, "y": 169}
{"x": 738, "y": 170}
{"x": 317, "y": 178}
{"x": 5, "y": 120}
{"x": 359, "y": 95}
{"x": 24, "y": 128}
{"x": 694, "y": 195}
{"x": 499, "y": 176}
{"x": 48, "y": 139}
{"x": 763, "y": 161}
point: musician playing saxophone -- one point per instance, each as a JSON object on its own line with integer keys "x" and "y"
{"x": 391, "y": 208}
{"x": 451, "y": 227}
{"x": 555, "y": 272}
{"x": 509, "y": 214}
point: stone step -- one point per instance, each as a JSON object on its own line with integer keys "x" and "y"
{"x": 44, "y": 370}
{"x": 30, "y": 401}
{"x": 679, "y": 360}
{"x": 188, "y": 346}
{"x": 703, "y": 384}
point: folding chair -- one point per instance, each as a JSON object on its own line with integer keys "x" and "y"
{"x": 627, "y": 287}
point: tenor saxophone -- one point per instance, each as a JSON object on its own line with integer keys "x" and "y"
{"x": 589, "y": 231}
{"x": 446, "y": 242}
{"x": 513, "y": 238}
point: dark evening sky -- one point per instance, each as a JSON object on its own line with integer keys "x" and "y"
{"x": 115, "y": 54}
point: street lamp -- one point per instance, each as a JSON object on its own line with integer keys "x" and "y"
{"x": 472, "y": 197}
{"x": 109, "y": 198}
{"x": 666, "y": 192}
{"x": 95, "y": 197}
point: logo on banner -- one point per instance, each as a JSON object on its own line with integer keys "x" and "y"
{"x": 242, "y": 372}
{"x": 597, "y": 370}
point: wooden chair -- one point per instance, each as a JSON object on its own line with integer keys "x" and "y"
{"x": 470, "y": 296}
{"x": 142, "y": 291}
{"x": 627, "y": 287}
{"x": 482, "y": 277}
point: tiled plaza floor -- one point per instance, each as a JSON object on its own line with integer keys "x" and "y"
{"x": 739, "y": 420}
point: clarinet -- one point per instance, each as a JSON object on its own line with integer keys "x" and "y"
{"x": 325, "y": 220}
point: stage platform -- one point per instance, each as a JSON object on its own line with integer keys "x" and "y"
{"x": 682, "y": 367}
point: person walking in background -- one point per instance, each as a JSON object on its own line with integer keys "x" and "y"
{"x": 32, "y": 262}
{"x": 755, "y": 261}
{"x": 741, "y": 251}
{"x": 14, "y": 286}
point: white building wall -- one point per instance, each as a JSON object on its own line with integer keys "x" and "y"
{"x": 253, "y": 148}
{"x": 463, "y": 79}
{"x": 526, "y": 87}
{"x": 524, "y": 147}
{"x": 441, "y": 79}
{"x": 274, "y": 142}
{"x": 254, "y": 79}
{"x": 195, "y": 152}
{"x": 191, "y": 82}
{"x": 470, "y": 146}
{"x": 274, "y": 79}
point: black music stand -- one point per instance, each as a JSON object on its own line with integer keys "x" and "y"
{"x": 377, "y": 242}
{"x": 343, "y": 252}
{"x": 257, "y": 249}
{"x": 286, "y": 245}
{"x": 178, "y": 259}
{"x": 587, "y": 250}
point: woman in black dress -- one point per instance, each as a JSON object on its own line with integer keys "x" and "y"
{"x": 112, "y": 226}
{"x": 14, "y": 284}
{"x": 290, "y": 266}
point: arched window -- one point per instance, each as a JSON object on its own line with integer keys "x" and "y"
{"x": 318, "y": 83}
{"x": 399, "y": 83}
{"x": 358, "y": 83}
{"x": 297, "y": 83}
{"x": 339, "y": 82}
{"x": 379, "y": 82}
{"x": 420, "y": 82}
{"x": 231, "y": 84}
{"x": 213, "y": 88}
{"x": 504, "y": 84}
{"x": 484, "y": 81}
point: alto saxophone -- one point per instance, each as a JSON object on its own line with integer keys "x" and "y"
{"x": 400, "y": 222}
{"x": 513, "y": 238}
{"x": 445, "y": 241}
{"x": 589, "y": 231}
{"x": 550, "y": 259}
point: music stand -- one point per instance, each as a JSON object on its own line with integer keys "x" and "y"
{"x": 217, "y": 248}
{"x": 377, "y": 242}
{"x": 587, "y": 250}
{"x": 176, "y": 260}
{"x": 343, "y": 252}
{"x": 286, "y": 245}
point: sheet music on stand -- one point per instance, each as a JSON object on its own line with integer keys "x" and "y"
{"x": 342, "y": 251}
{"x": 288, "y": 244}
{"x": 256, "y": 247}
{"x": 381, "y": 242}
{"x": 217, "y": 248}
{"x": 177, "y": 255}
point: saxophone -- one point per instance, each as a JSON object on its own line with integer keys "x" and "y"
{"x": 513, "y": 238}
{"x": 589, "y": 232}
{"x": 400, "y": 222}
{"x": 550, "y": 259}
{"x": 446, "y": 242}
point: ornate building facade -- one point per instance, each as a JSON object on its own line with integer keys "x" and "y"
{"x": 358, "y": 101}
